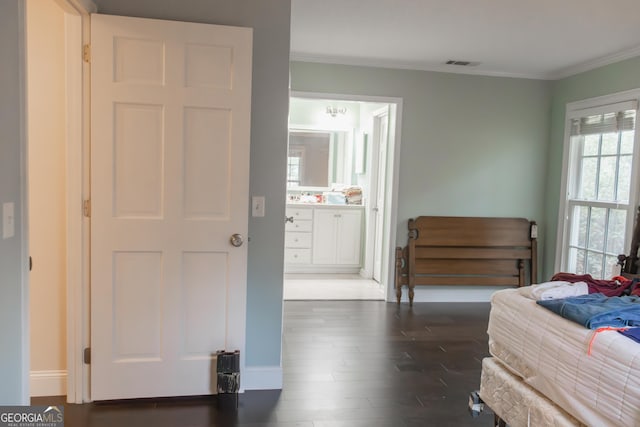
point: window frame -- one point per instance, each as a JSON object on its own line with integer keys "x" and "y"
{"x": 570, "y": 156}
{"x": 301, "y": 159}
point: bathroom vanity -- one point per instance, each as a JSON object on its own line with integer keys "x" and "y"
{"x": 323, "y": 238}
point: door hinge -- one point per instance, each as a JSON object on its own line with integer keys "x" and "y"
{"x": 86, "y": 53}
{"x": 86, "y": 357}
{"x": 86, "y": 208}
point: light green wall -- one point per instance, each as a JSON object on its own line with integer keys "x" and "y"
{"x": 477, "y": 145}
{"x": 471, "y": 145}
{"x": 605, "y": 80}
{"x": 14, "y": 360}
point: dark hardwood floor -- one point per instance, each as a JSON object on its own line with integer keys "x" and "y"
{"x": 346, "y": 363}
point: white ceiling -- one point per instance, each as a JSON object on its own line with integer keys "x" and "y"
{"x": 544, "y": 39}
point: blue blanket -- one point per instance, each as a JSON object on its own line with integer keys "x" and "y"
{"x": 596, "y": 310}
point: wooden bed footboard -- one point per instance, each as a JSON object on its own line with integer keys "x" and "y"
{"x": 467, "y": 251}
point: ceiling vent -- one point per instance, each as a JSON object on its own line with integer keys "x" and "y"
{"x": 462, "y": 63}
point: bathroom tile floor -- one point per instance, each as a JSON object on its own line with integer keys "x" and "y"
{"x": 331, "y": 287}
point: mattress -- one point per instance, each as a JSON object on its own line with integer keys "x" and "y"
{"x": 517, "y": 403}
{"x": 550, "y": 354}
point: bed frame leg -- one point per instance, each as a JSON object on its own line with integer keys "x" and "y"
{"x": 498, "y": 422}
{"x": 398, "y": 277}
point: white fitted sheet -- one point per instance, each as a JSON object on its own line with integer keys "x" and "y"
{"x": 550, "y": 354}
{"x": 517, "y": 403}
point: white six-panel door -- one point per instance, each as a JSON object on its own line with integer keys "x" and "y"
{"x": 169, "y": 182}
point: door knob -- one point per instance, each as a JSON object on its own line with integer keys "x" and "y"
{"x": 236, "y": 240}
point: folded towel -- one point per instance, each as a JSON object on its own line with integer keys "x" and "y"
{"x": 565, "y": 291}
{"x": 554, "y": 290}
{"x": 534, "y": 291}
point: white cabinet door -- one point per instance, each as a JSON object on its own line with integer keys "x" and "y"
{"x": 169, "y": 181}
{"x": 337, "y": 236}
{"x": 324, "y": 236}
{"x": 348, "y": 241}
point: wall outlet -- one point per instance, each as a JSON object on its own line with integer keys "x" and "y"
{"x": 257, "y": 206}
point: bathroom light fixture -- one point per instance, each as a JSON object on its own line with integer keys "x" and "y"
{"x": 334, "y": 111}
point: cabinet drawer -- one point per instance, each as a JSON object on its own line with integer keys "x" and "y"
{"x": 300, "y": 213}
{"x": 299, "y": 225}
{"x": 297, "y": 240}
{"x": 297, "y": 256}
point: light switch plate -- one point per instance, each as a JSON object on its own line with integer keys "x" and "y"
{"x": 257, "y": 206}
{"x": 8, "y": 220}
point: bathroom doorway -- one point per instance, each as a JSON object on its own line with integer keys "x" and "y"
{"x": 339, "y": 237}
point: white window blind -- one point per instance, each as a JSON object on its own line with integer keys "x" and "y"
{"x": 604, "y": 123}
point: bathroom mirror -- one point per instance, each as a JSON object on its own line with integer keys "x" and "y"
{"x": 308, "y": 162}
{"x": 318, "y": 158}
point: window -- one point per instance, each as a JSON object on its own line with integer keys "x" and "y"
{"x": 294, "y": 168}
{"x": 313, "y": 148}
{"x": 600, "y": 198}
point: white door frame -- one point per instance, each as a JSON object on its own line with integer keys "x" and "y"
{"x": 374, "y": 179}
{"x": 77, "y": 74}
{"x": 77, "y": 13}
{"x": 77, "y": 21}
{"x": 393, "y": 150}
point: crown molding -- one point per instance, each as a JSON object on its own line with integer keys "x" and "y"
{"x": 595, "y": 63}
{"x": 443, "y": 68}
{"x": 409, "y": 65}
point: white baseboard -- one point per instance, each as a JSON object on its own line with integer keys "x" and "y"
{"x": 54, "y": 383}
{"x": 262, "y": 378}
{"x": 48, "y": 383}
